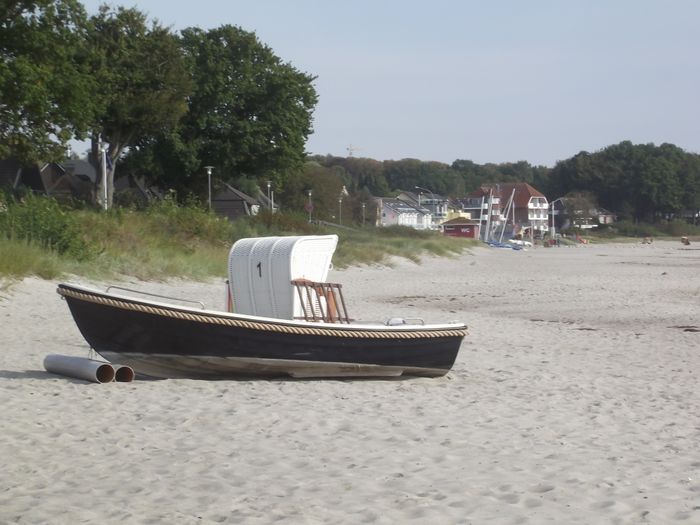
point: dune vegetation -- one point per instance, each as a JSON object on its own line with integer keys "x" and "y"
{"x": 39, "y": 236}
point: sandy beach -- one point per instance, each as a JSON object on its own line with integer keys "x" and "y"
{"x": 575, "y": 399}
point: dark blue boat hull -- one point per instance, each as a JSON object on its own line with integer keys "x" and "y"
{"x": 170, "y": 341}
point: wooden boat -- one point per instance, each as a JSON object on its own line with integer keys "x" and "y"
{"x": 159, "y": 338}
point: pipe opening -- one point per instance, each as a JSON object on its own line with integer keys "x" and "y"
{"x": 104, "y": 373}
{"x": 124, "y": 374}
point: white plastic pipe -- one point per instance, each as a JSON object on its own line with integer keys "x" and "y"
{"x": 80, "y": 367}
{"x": 123, "y": 373}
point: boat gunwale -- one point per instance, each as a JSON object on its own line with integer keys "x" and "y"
{"x": 126, "y": 302}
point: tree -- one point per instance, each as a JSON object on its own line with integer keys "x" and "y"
{"x": 45, "y": 83}
{"x": 640, "y": 182}
{"x": 361, "y": 172}
{"x": 579, "y": 206}
{"x": 326, "y": 185}
{"x": 469, "y": 172}
{"x": 689, "y": 171}
{"x": 249, "y": 114}
{"x": 143, "y": 83}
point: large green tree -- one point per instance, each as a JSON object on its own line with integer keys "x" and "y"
{"x": 361, "y": 173}
{"x": 249, "y": 114}
{"x": 45, "y": 83}
{"x": 143, "y": 83}
{"x": 326, "y": 185}
{"x": 641, "y": 182}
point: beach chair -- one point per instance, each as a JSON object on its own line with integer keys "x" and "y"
{"x": 261, "y": 270}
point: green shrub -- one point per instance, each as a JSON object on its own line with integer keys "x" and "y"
{"x": 188, "y": 220}
{"x": 38, "y": 236}
{"x": 43, "y": 222}
{"x": 675, "y": 228}
{"x": 406, "y": 232}
{"x": 679, "y": 228}
{"x": 266, "y": 223}
{"x": 20, "y": 257}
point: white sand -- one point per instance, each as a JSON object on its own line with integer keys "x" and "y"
{"x": 575, "y": 399}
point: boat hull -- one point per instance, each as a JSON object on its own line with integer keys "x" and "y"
{"x": 163, "y": 340}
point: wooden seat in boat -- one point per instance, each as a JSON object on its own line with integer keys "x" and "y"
{"x": 321, "y": 302}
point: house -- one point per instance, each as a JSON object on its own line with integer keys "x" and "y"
{"x": 477, "y": 207}
{"x": 562, "y": 216}
{"x": 462, "y": 227}
{"x": 129, "y": 190}
{"x": 81, "y": 169}
{"x": 513, "y": 206}
{"x": 70, "y": 179}
{"x": 604, "y": 216}
{"x": 436, "y": 204}
{"x": 232, "y": 203}
{"x": 396, "y": 212}
{"x": 51, "y": 179}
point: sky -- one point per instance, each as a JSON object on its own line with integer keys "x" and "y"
{"x": 487, "y": 81}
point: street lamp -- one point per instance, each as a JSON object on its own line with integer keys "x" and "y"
{"x": 209, "y": 168}
{"x": 432, "y": 196}
{"x": 553, "y": 232}
{"x": 103, "y": 162}
{"x": 310, "y": 206}
{"x": 269, "y": 183}
{"x": 363, "y": 214}
{"x": 340, "y": 210}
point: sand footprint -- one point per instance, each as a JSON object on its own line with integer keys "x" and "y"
{"x": 509, "y": 498}
{"x": 603, "y": 505}
{"x": 541, "y": 488}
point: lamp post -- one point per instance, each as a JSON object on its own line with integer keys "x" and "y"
{"x": 560, "y": 199}
{"x": 310, "y": 206}
{"x": 269, "y": 183}
{"x": 209, "y": 168}
{"x": 432, "y": 196}
{"x": 340, "y": 210}
{"x": 363, "y": 214}
{"x": 553, "y": 232}
{"x": 103, "y": 162}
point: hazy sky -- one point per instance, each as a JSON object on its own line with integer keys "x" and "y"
{"x": 488, "y": 81}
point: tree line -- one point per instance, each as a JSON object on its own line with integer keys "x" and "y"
{"x": 639, "y": 182}
{"x": 163, "y": 105}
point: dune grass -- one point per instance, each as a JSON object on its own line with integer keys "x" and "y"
{"x": 40, "y": 237}
{"x": 377, "y": 245}
{"x": 19, "y": 258}
{"x": 668, "y": 230}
